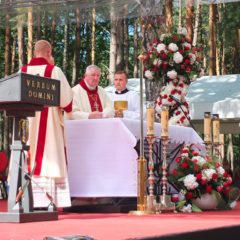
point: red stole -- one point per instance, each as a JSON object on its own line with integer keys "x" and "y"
{"x": 44, "y": 115}
{"x": 93, "y": 97}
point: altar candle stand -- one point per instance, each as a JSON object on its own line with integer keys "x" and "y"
{"x": 216, "y": 135}
{"x": 165, "y": 201}
{"x": 207, "y": 133}
{"x": 151, "y": 199}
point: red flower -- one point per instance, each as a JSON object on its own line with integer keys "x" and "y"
{"x": 187, "y": 69}
{"x": 163, "y": 56}
{"x": 175, "y": 172}
{"x": 214, "y": 176}
{"x": 199, "y": 176}
{"x": 178, "y": 159}
{"x": 208, "y": 188}
{"x": 174, "y": 198}
{"x": 184, "y": 165}
{"x": 189, "y": 195}
{"x": 194, "y": 153}
{"x": 219, "y": 188}
{"x": 203, "y": 182}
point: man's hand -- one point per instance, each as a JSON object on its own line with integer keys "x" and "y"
{"x": 95, "y": 115}
{"x": 118, "y": 113}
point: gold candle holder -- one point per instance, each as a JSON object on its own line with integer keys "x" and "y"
{"x": 151, "y": 198}
{"x": 141, "y": 190}
{"x": 207, "y": 133}
{"x": 165, "y": 200}
{"x": 119, "y": 107}
{"x": 216, "y": 135}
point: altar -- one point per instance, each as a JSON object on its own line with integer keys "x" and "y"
{"x": 102, "y": 161}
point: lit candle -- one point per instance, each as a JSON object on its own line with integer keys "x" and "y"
{"x": 216, "y": 128}
{"x": 164, "y": 121}
{"x": 150, "y": 119}
{"x": 207, "y": 127}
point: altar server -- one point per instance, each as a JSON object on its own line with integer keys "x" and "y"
{"x": 46, "y": 137}
{"x": 124, "y": 94}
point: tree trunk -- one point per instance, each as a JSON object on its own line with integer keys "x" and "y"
{"x": 13, "y": 54}
{"x": 135, "y": 45}
{"x": 88, "y": 38}
{"x": 53, "y": 29}
{"x": 7, "y": 46}
{"x": 189, "y": 19}
{"x": 76, "y": 61}
{"x": 168, "y": 15}
{"x": 38, "y": 25}
{"x": 113, "y": 50}
{"x": 126, "y": 45}
{"x": 212, "y": 39}
{"x": 20, "y": 42}
{"x": 196, "y": 25}
{"x": 30, "y": 35}
{"x": 93, "y": 35}
{"x": 65, "y": 44}
{"x": 120, "y": 46}
{"x": 180, "y": 14}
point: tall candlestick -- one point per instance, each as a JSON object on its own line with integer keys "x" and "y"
{"x": 164, "y": 121}
{"x": 216, "y": 128}
{"x": 150, "y": 118}
{"x": 207, "y": 127}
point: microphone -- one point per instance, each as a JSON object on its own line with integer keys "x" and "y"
{"x": 175, "y": 99}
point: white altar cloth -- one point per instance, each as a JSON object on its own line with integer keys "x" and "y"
{"x": 101, "y": 156}
{"x": 177, "y": 134}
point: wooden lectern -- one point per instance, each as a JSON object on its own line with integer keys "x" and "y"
{"x": 21, "y": 95}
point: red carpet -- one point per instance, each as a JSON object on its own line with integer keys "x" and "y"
{"x": 121, "y": 226}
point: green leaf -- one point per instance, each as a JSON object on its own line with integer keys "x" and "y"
{"x": 180, "y": 204}
{"x": 195, "y": 208}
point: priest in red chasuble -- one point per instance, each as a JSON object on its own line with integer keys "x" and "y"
{"x": 46, "y": 137}
{"x": 90, "y": 101}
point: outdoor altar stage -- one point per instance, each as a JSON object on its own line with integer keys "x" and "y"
{"x": 211, "y": 225}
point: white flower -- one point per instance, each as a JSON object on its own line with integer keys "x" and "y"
{"x": 207, "y": 174}
{"x": 157, "y": 62}
{"x": 182, "y": 31}
{"x": 220, "y": 170}
{"x": 163, "y": 36}
{"x": 233, "y": 204}
{"x": 199, "y": 160}
{"x": 149, "y": 75}
{"x": 187, "y": 208}
{"x": 187, "y": 45}
{"x": 161, "y": 47}
{"x": 177, "y": 57}
{"x": 184, "y": 155}
{"x": 190, "y": 182}
{"x": 173, "y": 47}
{"x": 192, "y": 58}
{"x": 172, "y": 74}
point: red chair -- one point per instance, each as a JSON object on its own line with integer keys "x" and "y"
{"x": 3, "y": 174}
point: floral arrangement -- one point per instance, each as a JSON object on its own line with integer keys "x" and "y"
{"x": 176, "y": 62}
{"x": 196, "y": 175}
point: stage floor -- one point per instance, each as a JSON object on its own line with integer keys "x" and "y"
{"x": 116, "y": 226}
